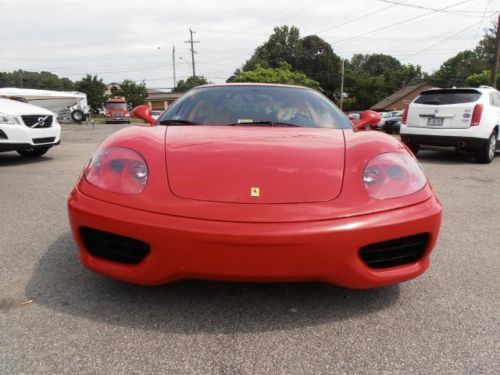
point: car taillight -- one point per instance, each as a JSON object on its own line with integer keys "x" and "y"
{"x": 405, "y": 114}
{"x": 476, "y": 115}
{"x": 117, "y": 169}
{"x": 392, "y": 175}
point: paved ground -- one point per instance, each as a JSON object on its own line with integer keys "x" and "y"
{"x": 447, "y": 321}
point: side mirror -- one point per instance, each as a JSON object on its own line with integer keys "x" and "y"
{"x": 143, "y": 112}
{"x": 367, "y": 118}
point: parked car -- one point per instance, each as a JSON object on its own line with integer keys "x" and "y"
{"x": 393, "y": 124}
{"x": 155, "y": 114}
{"x": 353, "y": 115}
{"x": 28, "y": 129}
{"x": 254, "y": 182}
{"x": 383, "y": 118}
{"x": 464, "y": 118}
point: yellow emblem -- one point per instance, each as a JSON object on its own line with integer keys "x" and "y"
{"x": 255, "y": 192}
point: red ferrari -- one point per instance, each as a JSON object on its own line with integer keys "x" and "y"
{"x": 254, "y": 182}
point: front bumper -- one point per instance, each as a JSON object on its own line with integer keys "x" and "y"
{"x": 183, "y": 248}
{"x": 20, "y": 137}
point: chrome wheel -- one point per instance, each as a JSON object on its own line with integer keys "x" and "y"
{"x": 492, "y": 146}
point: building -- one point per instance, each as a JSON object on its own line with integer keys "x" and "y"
{"x": 399, "y": 99}
{"x": 160, "y": 100}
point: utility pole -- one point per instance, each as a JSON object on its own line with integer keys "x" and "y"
{"x": 191, "y": 41}
{"x": 342, "y": 84}
{"x": 173, "y": 64}
{"x": 494, "y": 68}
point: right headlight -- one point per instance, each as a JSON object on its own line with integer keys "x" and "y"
{"x": 392, "y": 175}
{"x": 8, "y": 120}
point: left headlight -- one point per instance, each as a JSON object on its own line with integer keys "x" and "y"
{"x": 117, "y": 169}
{"x": 392, "y": 175}
{"x": 8, "y": 120}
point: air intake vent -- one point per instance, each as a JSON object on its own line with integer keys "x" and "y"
{"x": 113, "y": 247}
{"x": 43, "y": 140}
{"x": 396, "y": 252}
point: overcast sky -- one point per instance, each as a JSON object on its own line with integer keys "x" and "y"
{"x": 133, "y": 39}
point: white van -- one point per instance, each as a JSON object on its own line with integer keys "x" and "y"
{"x": 28, "y": 129}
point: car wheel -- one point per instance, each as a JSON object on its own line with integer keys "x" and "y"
{"x": 33, "y": 152}
{"x": 388, "y": 130}
{"x": 414, "y": 147}
{"x": 486, "y": 153}
{"x": 77, "y": 116}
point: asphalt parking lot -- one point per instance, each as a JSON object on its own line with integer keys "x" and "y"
{"x": 56, "y": 317}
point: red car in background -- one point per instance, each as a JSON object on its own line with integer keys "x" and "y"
{"x": 254, "y": 182}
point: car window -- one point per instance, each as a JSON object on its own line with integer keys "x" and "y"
{"x": 495, "y": 99}
{"x": 235, "y": 104}
{"x": 450, "y": 96}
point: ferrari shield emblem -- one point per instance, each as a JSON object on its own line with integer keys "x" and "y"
{"x": 255, "y": 192}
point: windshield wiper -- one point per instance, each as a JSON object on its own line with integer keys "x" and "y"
{"x": 177, "y": 122}
{"x": 264, "y": 122}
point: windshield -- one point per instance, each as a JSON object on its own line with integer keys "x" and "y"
{"x": 116, "y": 105}
{"x": 254, "y": 104}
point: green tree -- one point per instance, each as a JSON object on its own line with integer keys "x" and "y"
{"x": 134, "y": 93}
{"x": 188, "y": 84}
{"x": 35, "y": 80}
{"x": 283, "y": 74}
{"x": 318, "y": 61}
{"x": 483, "y": 78}
{"x": 455, "y": 70}
{"x": 283, "y": 45}
{"x": 94, "y": 88}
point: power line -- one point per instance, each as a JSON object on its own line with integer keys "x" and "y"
{"x": 415, "y": 6}
{"x": 401, "y": 22}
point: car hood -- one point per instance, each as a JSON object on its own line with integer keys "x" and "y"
{"x": 255, "y": 165}
{"x": 15, "y": 108}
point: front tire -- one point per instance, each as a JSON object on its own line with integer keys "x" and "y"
{"x": 486, "y": 152}
{"x": 33, "y": 152}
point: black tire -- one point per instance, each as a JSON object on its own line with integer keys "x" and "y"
{"x": 33, "y": 152}
{"x": 414, "y": 147}
{"x": 388, "y": 129}
{"x": 77, "y": 116}
{"x": 486, "y": 152}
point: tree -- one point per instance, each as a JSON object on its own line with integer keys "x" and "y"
{"x": 455, "y": 70}
{"x": 318, "y": 61}
{"x": 283, "y": 45}
{"x": 35, "y": 80}
{"x": 483, "y": 78}
{"x": 310, "y": 55}
{"x": 188, "y": 84}
{"x": 134, "y": 93}
{"x": 94, "y": 88}
{"x": 283, "y": 74}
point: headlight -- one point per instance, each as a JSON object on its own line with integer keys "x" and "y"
{"x": 393, "y": 175}
{"x": 117, "y": 169}
{"x": 11, "y": 120}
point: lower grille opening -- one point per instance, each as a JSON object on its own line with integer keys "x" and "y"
{"x": 43, "y": 140}
{"x": 113, "y": 247}
{"x": 396, "y": 252}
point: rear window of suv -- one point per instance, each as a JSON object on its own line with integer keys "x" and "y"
{"x": 451, "y": 96}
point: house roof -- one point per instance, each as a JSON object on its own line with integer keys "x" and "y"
{"x": 157, "y": 95}
{"x": 398, "y": 95}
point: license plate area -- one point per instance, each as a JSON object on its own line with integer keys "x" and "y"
{"x": 435, "y": 121}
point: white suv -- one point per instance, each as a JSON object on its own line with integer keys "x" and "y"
{"x": 28, "y": 129}
{"x": 465, "y": 118}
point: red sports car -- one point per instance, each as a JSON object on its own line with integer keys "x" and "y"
{"x": 254, "y": 182}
